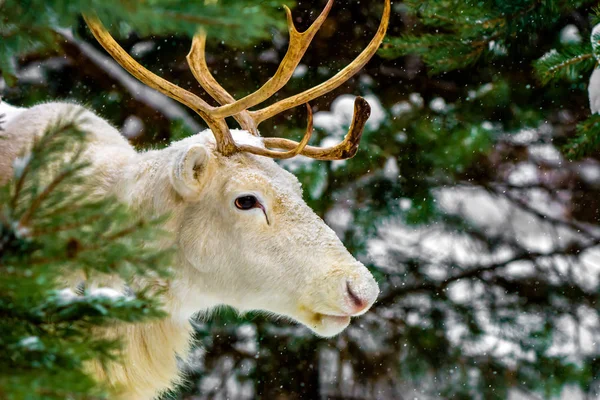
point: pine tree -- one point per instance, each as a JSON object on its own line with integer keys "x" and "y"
{"x": 50, "y": 227}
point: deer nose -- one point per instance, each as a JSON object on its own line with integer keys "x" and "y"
{"x": 361, "y": 293}
{"x": 357, "y": 303}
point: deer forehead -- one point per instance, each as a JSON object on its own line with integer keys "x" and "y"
{"x": 245, "y": 171}
{"x": 264, "y": 177}
{"x": 256, "y": 172}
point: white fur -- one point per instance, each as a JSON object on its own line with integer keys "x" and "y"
{"x": 294, "y": 265}
{"x": 8, "y": 112}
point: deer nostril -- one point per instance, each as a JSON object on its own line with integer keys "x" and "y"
{"x": 357, "y": 301}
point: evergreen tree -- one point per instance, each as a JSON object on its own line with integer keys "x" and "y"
{"x": 50, "y": 228}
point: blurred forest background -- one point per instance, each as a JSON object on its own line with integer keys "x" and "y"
{"x": 474, "y": 197}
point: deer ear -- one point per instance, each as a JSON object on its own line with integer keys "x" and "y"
{"x": 187, "y": 170}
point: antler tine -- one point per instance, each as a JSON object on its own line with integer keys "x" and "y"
{"x": 196, "y": 59}
{"x": 332, "y": 83}
{"x": 346, "y": 149}
{"x": 225, "y": 143}
{"x": 295, "y": 148}
{"x": 299, "y": 42}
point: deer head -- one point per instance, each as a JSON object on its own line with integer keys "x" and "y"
{"x": 246, "y": 237}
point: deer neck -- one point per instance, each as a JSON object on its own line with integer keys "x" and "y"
{"x": 149, "y": 363}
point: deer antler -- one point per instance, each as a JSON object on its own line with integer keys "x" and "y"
{"x": 346, "y": 149}
{"x": 294, "y": 150}
{"x": 249, "y": 120}
{"x": 225, "y": 143}
{"x": 299, "y": 42}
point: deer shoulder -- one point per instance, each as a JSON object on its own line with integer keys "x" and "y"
{"x": 106, "y": 148}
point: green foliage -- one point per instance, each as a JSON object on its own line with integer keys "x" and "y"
{"x": 52, "y": 228}
{"x": 586, "y": 140}
{"x": 441, "y": 52}
{"x": 30, "y": 26}
{"x": 570, "y": 62}
{"x": 574, "y": 62}
{"x": 456, "y": 34}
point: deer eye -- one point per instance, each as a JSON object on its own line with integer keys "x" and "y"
{"x": 246, "y": 202}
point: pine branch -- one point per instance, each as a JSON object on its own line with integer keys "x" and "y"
{"x": 37, "y": 202}
{"x": 42, "y": 145}
{"x": 586, "y": 140}
{"x": 465, "y": 33}
{"x": 567, "y": 63}
{"x": 29, "y": 27}
{"x": 441, "y": 52}
{"x": 50, "y": 227}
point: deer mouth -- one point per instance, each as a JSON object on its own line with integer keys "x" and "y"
{"x": 325, "y": 318}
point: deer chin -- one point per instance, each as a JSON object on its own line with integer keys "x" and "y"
{"x": 323, "y": 324}
{"x": 329, "y": 325}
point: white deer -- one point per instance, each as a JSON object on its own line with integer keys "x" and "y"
{"x": 245, "y": 237}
